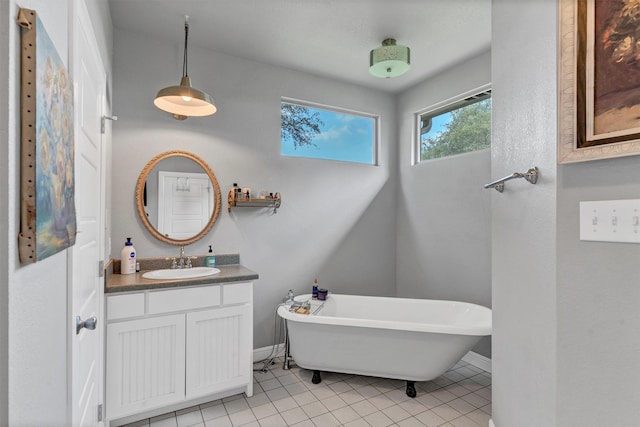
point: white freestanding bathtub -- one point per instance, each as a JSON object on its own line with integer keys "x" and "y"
{"x": 401, "y": 338}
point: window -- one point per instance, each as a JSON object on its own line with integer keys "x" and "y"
{"x": 458, "y": 127}
{"x": 333, "y": 134}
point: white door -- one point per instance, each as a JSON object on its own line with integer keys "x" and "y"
{"x": 185, "y": 203}
{"x": 85, "y": 293}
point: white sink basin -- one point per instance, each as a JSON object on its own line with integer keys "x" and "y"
{"x": 182, "y": 273}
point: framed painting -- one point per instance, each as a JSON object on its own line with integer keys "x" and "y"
{"x": 598, "y": 79}
{"x": 47, "y": 210}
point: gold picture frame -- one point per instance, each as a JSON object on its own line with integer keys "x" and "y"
{"x": 598, "y": 111}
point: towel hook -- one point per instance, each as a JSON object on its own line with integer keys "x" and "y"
{"x": 531, "y": 176}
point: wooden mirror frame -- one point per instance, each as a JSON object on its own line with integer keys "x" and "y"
{"x": 142, "y": 179}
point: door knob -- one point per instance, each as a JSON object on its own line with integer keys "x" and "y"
{"x": 90, "y": 323}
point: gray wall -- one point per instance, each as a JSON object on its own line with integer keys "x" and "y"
{"x": 444, "y": 213}
{"x": 524, "y": 216}
{"x": 337, "y": 219}
{"x": 566, "y": 318}
{"x": 598, "y": 315}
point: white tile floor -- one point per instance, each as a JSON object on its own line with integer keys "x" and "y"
{"x": 459, "y": 398}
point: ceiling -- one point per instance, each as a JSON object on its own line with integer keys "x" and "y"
{"x": 330, "y": 38}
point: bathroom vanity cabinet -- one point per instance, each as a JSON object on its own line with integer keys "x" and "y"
{"x": 177, "y": 346}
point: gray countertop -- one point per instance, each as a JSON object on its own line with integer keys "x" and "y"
{"x": 135, "y": 282}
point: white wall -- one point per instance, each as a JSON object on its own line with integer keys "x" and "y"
{"x": 566, "y": 318}
{"x": 337, "y": 219}
{"x": 37, "y": 298}
{"x": 5, "y": 105}
{"x": 444, "y": 213}
{"x": 34, "y": 321}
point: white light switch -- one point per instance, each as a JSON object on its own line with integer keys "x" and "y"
{"x": 610, "y": 221}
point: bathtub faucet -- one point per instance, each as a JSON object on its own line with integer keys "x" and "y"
{"x": 290, "y": 296}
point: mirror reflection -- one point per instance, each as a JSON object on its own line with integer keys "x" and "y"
{"x": 178, "y": 197}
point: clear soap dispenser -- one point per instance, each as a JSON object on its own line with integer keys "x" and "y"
{"x": 210, "y": 259}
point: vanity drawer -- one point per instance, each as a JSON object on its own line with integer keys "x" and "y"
{"x": 183, "y": 299}
{"x": 123, "y": 306}
{"x": 237, "y": 293}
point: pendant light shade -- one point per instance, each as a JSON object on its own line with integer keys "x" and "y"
{"x": 183, "y": 100}
{"x": 389, "y": 60}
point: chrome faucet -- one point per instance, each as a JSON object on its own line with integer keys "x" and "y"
{"x": 182, "y": 261}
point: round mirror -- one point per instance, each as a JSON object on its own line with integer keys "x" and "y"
{"x": 178, "y": 197}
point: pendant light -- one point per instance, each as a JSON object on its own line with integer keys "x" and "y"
{"x": 183, "y": 101}
{"x": 389, "y": 60}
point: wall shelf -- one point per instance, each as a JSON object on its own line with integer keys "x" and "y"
{"x": 236, "y": 201}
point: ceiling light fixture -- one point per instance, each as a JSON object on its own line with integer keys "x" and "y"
{"x": 389, "y": 60}
{"x": 183, "y": 101}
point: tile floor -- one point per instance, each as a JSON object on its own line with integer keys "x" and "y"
{"x": 459, "y": 398}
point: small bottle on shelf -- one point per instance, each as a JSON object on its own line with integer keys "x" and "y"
{"x": 234, "y": 190}
{"x": 246, "y": 193}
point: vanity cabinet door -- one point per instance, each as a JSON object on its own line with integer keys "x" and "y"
{"x": 219, "y": 344}
{"x": 145, "y": 365}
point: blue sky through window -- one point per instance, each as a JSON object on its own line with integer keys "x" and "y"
{"x": 345, "y": 137}
{"x": 437, "y": 126}
{"x": 462, "y": 126}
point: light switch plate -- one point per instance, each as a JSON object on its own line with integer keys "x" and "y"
{"x": 610, "y": 221}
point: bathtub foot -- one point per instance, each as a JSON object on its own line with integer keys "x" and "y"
{"x": 411, "y": 389}
{"x": 316, "y": 377}
{"x": 287, "y": 356}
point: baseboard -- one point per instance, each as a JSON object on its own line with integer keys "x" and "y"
{"x": 264, "y": 352}
{"x": 478, "y": 360}
{"x": 491, "y": 424}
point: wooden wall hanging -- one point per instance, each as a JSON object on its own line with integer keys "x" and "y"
{"x": 47, "y": 210}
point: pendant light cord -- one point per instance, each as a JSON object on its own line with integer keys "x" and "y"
{"x": 186, "y": 37}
